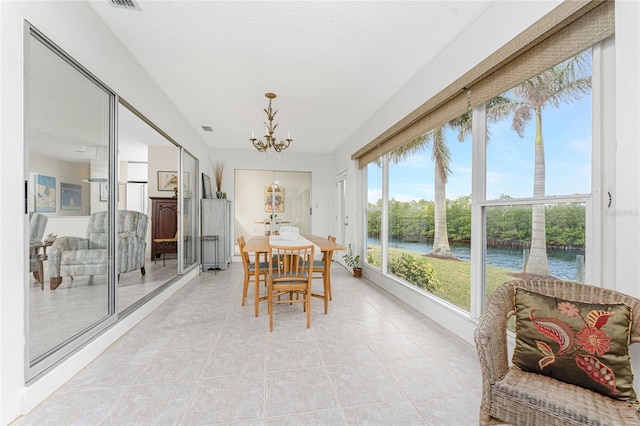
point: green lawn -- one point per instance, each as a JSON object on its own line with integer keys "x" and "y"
{"x": 454, "y": 276}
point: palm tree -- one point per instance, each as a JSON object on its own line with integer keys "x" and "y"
{"x": 441, "y": 156}
{"x": 563, "y": 83}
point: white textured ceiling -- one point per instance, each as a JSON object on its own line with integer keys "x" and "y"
{"x": 332, "y": 64}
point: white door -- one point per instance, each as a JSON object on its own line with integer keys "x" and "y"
{"x": 341, "y": 218}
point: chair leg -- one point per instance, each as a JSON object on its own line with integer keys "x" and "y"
{"x": 308, "y": 296}
{"x": 144, "y": 271}
{"x": 55, "y": 282}
{"x": 257, "y": 294}
{"x": 245, "y": 288}
{"x": 36, "y": 276}
{"x": 270, "y": 309}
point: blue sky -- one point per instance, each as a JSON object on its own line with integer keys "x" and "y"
{"x": 510, "y": 160}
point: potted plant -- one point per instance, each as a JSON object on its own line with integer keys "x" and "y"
{"x": 218, "y": 168}
{"x": 353, "y": 262}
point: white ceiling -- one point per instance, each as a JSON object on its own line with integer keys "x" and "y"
{"x": 332, "y": 64}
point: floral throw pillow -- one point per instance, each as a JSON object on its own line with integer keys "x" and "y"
{"x": 585, "y": 344}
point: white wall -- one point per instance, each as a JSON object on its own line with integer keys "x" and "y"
{"x": 76, "y": 29}
{"x": 627, "y": 191}
{"x": 627, "y": 156}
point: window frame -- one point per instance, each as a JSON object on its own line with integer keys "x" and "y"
{"x": 600, "y": 229}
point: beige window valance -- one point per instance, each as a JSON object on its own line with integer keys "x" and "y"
{"x": 567, "y": 30}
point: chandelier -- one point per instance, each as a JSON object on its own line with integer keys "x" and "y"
{"x": 270, "y": 140}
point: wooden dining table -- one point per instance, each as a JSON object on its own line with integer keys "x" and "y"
{"x": 259, "y": 245}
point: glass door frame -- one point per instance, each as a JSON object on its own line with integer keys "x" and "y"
{"x": 182, "y": 218}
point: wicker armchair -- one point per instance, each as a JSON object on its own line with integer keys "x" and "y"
{"x": 510, "y": 395}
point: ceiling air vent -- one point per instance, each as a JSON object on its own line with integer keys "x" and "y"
{"x": 125, "y": 4}
{"x": 207, "y": 128}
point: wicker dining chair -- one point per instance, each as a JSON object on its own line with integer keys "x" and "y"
{"x": 510, "y": 395}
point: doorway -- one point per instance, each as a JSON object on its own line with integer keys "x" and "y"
{"x": 254, "y": 207}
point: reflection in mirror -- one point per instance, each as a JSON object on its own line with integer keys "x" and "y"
{"x": 190, "y": 212}
{"x": 142, "y": 152}
{"x": 80, "y": 274}
{"x": 68, "y": 135}
{"x": 255, "y": 200}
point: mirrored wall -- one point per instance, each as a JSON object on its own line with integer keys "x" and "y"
{"x": 265, "y": 197}
{"x": 69, "y": 132}
{"x": 103, "y": 186}
{"x": 145, "y": 158}
{"x": 190, "y": 215}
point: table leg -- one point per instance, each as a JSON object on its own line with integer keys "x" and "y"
{"x": 328, "y": 275}
{"x": 256, "y": 295}
{"x": 326, "y": 283}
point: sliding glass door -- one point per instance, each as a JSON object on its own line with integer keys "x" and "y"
{"x": 69, "y": 206}
{"x": 143, "y": 151}
{"x": 190, "y": 210}
{"x": 111, "y": 211}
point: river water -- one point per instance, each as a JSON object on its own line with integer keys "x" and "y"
{"x": 562, "y": 263}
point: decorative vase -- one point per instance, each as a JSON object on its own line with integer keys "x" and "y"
{"x": 218, "y": 194}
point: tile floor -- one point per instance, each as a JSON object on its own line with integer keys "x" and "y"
{"x": 203, "y": 359}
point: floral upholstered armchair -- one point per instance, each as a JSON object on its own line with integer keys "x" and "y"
{"x": 73, "y": 256}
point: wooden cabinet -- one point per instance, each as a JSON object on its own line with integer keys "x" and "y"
{"x": 164, "y": 225}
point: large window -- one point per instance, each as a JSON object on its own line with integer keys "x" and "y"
{"x": 532, "y": 167}
{"x": 538, "y": 175}
{"x": 373, "y": 215}
{"x": 429, "y": 208}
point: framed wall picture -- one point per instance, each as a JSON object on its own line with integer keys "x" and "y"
{"x": 167, "y": 181}
{"x": 45, "y": 193}
{"x": 274, "y": 199}
{"x": 70, "y": 196}
{"x": 206, "y": 187}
